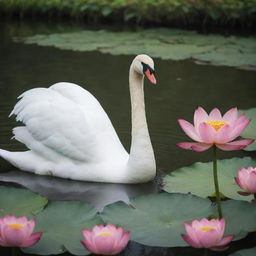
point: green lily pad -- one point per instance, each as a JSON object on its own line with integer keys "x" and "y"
{"x": 245, "y": 252}
{"x": 250, "y": 131}
{"x": 198, "y": 178}
{"x": 157, "y": 220}
{"x": 240, "y": 217}
{"x": 20, "y": 202}
{"x": 62, "y": 224}
{"x": 162, "y": 43}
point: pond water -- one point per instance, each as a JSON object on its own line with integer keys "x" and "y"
{"x": 182, "y": 86}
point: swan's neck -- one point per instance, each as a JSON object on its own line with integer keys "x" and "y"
{"x": 141, "y": 161}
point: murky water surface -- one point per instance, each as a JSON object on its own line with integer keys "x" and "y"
{"x": 181, "y": 87}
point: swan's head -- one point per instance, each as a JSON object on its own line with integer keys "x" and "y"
{"x": 144, "y": 65}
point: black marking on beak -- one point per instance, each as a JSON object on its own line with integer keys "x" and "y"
{"x": 147, "y": 67}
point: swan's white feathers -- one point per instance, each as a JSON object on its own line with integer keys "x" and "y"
{"x": 70, "y": 134}
{"x": 22, "y": 135}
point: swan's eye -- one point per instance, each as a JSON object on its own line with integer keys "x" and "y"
{"x": 147, "y": 67}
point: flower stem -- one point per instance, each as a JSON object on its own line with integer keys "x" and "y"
{"x": 216, "y": 183}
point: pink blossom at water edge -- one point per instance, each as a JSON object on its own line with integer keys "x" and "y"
{"x": 17, "y": 232}
{"x": 215, "y": 129}
{"x": 246, "y": 180}
{"x": 105, "y": 240}
{"x": 207, "y": 234}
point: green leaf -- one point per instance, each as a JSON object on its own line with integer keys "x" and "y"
{"x": 245, "y": 252}
{"x": 240, "y": 217}
{"x": 130, "y": 16}
{"x": 162, "y": 43}
{"x": 214, "y": 14}
{"x": 228, "y": 55}
{"x": 62, "y": 224}
{"x": 157, "y": 220}
{"x": 20, "y": 202}
{"x": 83, "y": 7}
{"x": 107, "y": 10}
{"x": 250, "y": 131}
{"x": 198, "y": 179}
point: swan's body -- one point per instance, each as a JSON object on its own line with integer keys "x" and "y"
{"x": 69, "y": 135}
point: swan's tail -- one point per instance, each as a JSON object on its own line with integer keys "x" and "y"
{"x": 26, "y": 160}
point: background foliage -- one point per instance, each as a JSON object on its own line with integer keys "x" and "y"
{"x": 183, "y": 12}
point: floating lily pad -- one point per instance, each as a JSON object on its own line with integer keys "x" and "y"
{"x": 245, "y": 252}
{"x": 227, "y": 56}
{"x": 240, "y": 217}
{"x": 61, "y": 224}
{"x": 163, "y": 43}
{"x": 157, "y": 220}
{"x": 250, "y": 131}
{"x": 20, "y": 202}
{"x": 198, "y": 178}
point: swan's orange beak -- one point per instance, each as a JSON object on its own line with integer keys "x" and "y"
{"x": 150, "y": 76}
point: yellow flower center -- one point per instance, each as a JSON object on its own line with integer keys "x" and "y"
{"x": 206, "y": 228}
{"x": 105, "y": 234}
{"x": 15, "y": 226}
{"x": 216, "y": 124}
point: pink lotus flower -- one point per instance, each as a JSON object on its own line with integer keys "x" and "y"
{"x": 246, "y": 180}
{"x": 207, "y": 234}
{"x": 215, "y": 129}
{"x": 17, "y": 231}
{"x": 107, "y": 240}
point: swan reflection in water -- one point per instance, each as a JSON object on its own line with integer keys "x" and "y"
{"x": 96, "y": 194}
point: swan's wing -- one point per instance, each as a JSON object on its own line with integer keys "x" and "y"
{"x": 108, "y": 142}
{"x": 60, "y": 124}
{"x": 95, "y": 115}
{"x": 55, "y": 122}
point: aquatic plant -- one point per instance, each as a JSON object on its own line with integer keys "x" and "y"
{"x": 153, "y": 220}
{"x": 17, "y": 232}
{"x": 58, "y": 218}
{"x": 207, "y": 234}
{"x": 215, "y": 131}
{"x": 105, "y": 240}
{"x": 246, "y": 180}
{"x": 197, "y": 178}
{"x": 161, "y": 43}
{"x": 245, "y": 252}
{"x": 20, "y": 202}
{"x": 250, "y": 131}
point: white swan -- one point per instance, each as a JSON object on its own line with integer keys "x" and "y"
{"x": 70, "y": 135}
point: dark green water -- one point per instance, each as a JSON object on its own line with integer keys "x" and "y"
{"x": 182, "y": 86}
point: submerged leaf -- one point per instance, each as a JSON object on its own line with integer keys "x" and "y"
{"x": 198, "y": 178}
